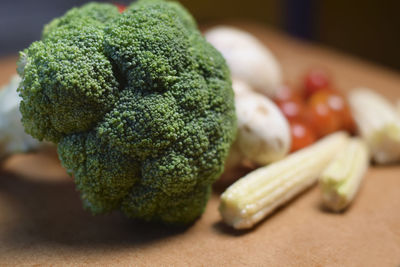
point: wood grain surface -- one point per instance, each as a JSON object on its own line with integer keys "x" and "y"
{"x": 42, "y": 221}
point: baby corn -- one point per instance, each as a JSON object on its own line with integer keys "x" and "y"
{"x": 378, "y": 123}
{"x": 256, "y": 195}
{"x": 341, "y": 180}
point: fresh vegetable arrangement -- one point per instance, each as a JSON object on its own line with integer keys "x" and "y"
{"x": 140, "y": 106}
{"x": 315, "y": 110}
{"x": 147, "y": 114}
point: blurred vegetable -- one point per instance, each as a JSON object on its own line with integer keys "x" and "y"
{"x": 293, "y": 109}
{"x": 286, "y": 93}
{"x": 121, "y": 7}
{"x": 302, "y": 135}
{"x": 341, "y": 180}
{"x": 329, "y": 112}
{"x": 248, "y": 58}
{"x": 315, "y": 80}
{"x": 257, "y": 194}
{"x": 314, "y": 111}
{"x": 324, "y": 107}
{"x": 263, "y": 132}
{"x": 378, "y": 123}
{"x": 13, "y": 138}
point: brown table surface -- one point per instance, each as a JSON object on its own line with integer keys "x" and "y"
{"x": 42, "y": 221}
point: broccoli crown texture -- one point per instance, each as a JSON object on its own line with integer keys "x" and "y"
{"x": 140, "y": 105}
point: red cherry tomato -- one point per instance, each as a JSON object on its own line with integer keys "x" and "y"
{"x": 326, "y": 109}
{"x": 121, "y": 7}
{"x": 292, "y": 109}
{"x": 338, "y": 103}
{"x": 285, "y": 93}
{"x": 302, "y": 135}
{"x": 315, "y": 80}
{"x": 290, "y": 103}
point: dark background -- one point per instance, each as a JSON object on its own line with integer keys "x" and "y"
{"x": 368, "y": 29}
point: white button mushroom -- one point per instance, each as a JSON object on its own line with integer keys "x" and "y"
{"x": 248, "y": 59}
{"x": 263, "y": 131}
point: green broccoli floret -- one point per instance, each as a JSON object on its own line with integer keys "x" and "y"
{"x": 140, "y": 105}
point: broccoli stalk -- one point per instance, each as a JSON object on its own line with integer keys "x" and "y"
{"x": 13, "y": 138}
{"x": 140, "y": 106}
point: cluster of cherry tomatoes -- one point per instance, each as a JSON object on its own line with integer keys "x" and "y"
{"x": 315, "y": 109}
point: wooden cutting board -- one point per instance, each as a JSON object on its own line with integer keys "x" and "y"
{"x": 42, "y": 221}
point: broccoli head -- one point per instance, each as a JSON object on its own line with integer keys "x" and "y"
{"x": 140, "y": 105}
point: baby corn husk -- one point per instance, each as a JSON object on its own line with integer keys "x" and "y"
{"x": 257, "y": 194}
{"x": 378, "y": 123}
{"x": 342, "y": 178}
